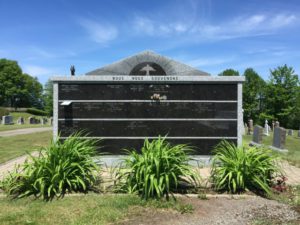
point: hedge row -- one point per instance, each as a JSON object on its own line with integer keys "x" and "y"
{"x": 37, "y": 112}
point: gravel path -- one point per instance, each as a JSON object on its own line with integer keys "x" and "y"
{"x": 24, "y": 131}
{"x": 10, "y": 165}
{"x": 219, "y": 212}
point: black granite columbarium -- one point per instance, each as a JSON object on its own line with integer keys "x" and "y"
{"x": 145, "y": 96}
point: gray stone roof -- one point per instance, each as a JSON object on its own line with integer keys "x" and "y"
{"x": 170, "y": 66}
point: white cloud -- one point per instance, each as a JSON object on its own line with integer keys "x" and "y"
{"x": 36, "y": 70}
{"x": 145, "y": 25}
{"x": 243, "y": 26}
{"x": 199, "y": 62}
{"x": 99, "y": 32}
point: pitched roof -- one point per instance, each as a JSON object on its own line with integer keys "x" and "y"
{"x": 170, "y": 66}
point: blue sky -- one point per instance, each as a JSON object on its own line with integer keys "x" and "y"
{"x": 46, "y": 37}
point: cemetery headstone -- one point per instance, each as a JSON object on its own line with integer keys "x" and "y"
{"x": 250, "y": 126}
{"x": 279, "y": 139}
{"x": 33, "y": 120}
{"x": 7, "y": 120}
{"x": 257, "y": 135}
{"x": 266, "y": 129}
{"x": 290, "y": 132}
{"x": 277, "y": 124}
{"x": 299, "y": 133}
{"x": 21, "y": 121}
{"x": 273, "y": 125}
{"x": 44, "y": 121}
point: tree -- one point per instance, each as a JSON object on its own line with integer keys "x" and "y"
{"x": 282, "y": 94}
{"x": 10, "y": 82}
{"x": 230, "y": 72}
{"x": 253, "y": 95}
{"x": 48, "y": 97}
{"x": 18, "y": 89}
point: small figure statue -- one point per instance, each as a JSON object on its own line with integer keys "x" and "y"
{"x": 72, "y": 69}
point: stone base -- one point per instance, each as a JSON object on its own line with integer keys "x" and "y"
{"x": 252, "y": 143}
{"x": 278, "y": 149}
{"x": 116, "y": 160}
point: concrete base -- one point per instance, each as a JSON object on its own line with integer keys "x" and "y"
{"x": 278, "y": 149}
{"x": 116, "y": 160}
{"x": 252, "y": 143}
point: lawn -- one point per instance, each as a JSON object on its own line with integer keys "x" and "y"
{"x": 292, "y": 144}
{"x": 15, "y": 126}
{"x": 12, "y": 147}
{"x": 86, "y": 209}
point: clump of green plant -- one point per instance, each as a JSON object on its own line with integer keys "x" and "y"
{"x": 157, "y": 171}
{"x": 60, "y": 168}
{"x": 236, "y": 169}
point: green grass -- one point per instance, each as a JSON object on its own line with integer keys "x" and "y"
{"x": 292, "y": 144}
{"x": 88, "y": 209}
{"x": 14, "y": 146}
{"x": 81, "y": 209}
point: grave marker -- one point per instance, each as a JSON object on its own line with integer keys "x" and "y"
{"x": 7, "y": 120}
{"x": 257, "y": 135}
{"x": 279, "y": 139}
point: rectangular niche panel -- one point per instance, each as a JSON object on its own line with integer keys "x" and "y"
{"x": 150, "y": 128}
{"x": 145, "y": 91}
{"x": 133, "y": 109}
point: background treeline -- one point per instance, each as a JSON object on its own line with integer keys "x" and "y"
{"x": 277, "y": 98}
{"x": 20, "y": 90}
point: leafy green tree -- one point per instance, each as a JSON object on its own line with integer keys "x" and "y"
{"x": 253, "y": 95}
{"x": 18, "y": 89}
{"x": 230, "y": 72}
{"x": 48, "y": 97}
{"x": 282, "y": 94}
{"x": 10, "y": 82}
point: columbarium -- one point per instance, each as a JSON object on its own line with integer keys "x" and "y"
{"x": 147, "y": 95}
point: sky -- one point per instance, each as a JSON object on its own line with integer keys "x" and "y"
{"x": 46, "y": 37}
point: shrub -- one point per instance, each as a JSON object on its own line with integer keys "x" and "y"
{"x": 37, "y": 112}
{"x": 61, "y": 168}
{"x": 157, "y": 171}
{"x": 3, "y": 112}
{"x": 237, "y": 169}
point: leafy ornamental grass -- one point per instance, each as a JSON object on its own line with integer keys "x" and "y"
{"x": 15, "y": 146}
{"x": 61, "y": 168}
{"x": 236, "y": 169}
{"x": 292, "y": 144}
{"x": 157, "y": 171}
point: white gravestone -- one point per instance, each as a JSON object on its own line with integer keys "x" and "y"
{"x": 266, "y": 129}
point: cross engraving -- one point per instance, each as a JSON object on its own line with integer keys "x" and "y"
{"x": 147, "y": 69}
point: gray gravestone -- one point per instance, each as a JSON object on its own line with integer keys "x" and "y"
{"x": 257, "y": 134}
{"x": 7, "y": 120}
{"x": 32, "y": 120}
{"x": 298, "y": 133}
{"x": 21, "y": 121}
{"x": 290, "y": 132}
{"x": 277, "y": 124}
{"x": 279, "y": 139}
{"x": 44, "y": 121}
